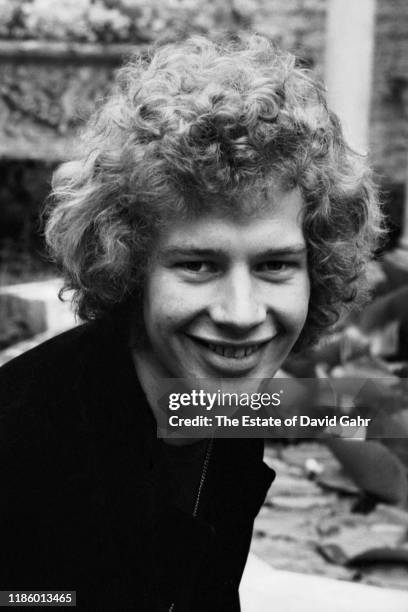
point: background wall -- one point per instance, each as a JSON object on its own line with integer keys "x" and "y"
{"x": 58, "y": 59}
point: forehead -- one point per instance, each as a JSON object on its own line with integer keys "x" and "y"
{"x": 277, "y": 225}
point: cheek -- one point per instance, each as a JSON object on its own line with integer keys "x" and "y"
{"x": 168, "y": 299}
{"x": 300, "y": 301}
{"x": 166, "y": 306}
{"x": 291, "y": 304}
{"x": 157, "y": 288}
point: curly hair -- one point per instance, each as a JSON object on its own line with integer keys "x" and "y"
{"x": 192, "y": 128}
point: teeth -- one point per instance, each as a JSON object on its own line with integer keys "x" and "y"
{"x": 233, "y": 353}
{"x": 216, "y": 348}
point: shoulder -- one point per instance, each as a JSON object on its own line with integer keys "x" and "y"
{"x": 53, "y": 371}
{"x": 53, "y": 393}
{"x": 46, "y": 365}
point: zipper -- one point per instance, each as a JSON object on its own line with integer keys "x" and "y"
{"x": 200, "y": 488}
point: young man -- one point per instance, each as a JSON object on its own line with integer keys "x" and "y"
{"x": 213, "y": 220}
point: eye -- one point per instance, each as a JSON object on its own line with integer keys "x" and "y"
{"x": 197, "y": 267}
{"x": 274, "y": 266}
{"x": 277, "y": 269}
{"x": 193, "y": 266}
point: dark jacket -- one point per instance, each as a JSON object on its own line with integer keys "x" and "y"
{"x": 79, "y": 509}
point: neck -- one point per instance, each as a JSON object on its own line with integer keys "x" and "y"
{"x": 150, "y": 375}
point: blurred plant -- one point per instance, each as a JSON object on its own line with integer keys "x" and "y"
{"x": 371, "y": 346}
{"x": 108, "y": 24}
{"x": 109, "y": 21}
{"x": 67, "y": 18}
{"x": 12, "y": 19}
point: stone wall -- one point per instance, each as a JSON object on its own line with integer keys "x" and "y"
{"x": 389, "y": 113}
{"x": 48, "y": 88}
{"x": 297, "y": 25}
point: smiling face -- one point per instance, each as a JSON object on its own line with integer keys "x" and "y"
{"x": 227, "y": 298}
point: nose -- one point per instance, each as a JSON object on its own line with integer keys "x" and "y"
{"x": 238, "y": 304}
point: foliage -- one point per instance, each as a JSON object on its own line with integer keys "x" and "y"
{"x": 115, "y": 21}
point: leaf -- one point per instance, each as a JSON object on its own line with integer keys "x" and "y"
{"x": 332, "y": 553}
{"x": 392, "y": 429}
{"x": 383, "y": 310}
{"x": 385, "y": 342}
{"x": 338, "y": 482}
{"x": 366, "y": 367}
{"x": 380, "y": 555}
{"x": 373, "y": 467}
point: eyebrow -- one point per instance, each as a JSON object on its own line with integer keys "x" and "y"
{"x": 295, "y": 249}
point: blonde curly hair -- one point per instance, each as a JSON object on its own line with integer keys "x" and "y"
{"x": 195, "y": 127}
